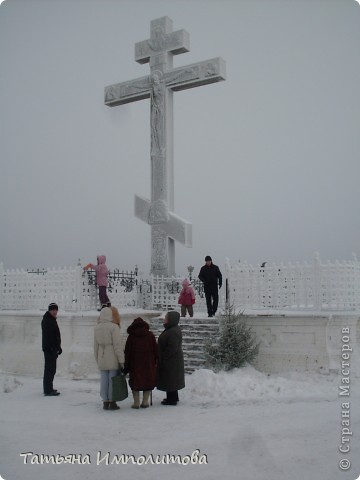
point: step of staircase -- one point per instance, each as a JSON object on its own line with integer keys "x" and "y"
{"x": 196, "y": 331}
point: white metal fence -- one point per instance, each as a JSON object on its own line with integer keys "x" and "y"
{"x": 317, "y": 286}
{"x": 69, "y": 287}
{"x": 309, "y": 287}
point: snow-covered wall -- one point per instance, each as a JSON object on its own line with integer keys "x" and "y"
{"x": 289, "y": 342}
{"x": 20, "y": 342}
{"x": 306, "y": 342}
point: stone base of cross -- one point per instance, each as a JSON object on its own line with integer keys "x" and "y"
{"x": 159, "y": 87}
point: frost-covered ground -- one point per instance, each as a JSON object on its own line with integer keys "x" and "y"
{"x": 245, "y": 424}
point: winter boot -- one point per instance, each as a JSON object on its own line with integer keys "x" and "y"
{"x": 145, "y": 401}
{"x": 136, "y": 396}
{"x": 106, "y": 405}
{"x": 113, "y": 406}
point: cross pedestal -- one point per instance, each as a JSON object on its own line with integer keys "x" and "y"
{"x": 159, "y": 87}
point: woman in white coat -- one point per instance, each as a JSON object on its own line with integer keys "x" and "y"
{"x": 109, "y": 354}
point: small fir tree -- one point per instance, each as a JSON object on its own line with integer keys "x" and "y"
{"x": 236, "y": 344}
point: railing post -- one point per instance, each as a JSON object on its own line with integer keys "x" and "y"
{"x": 2, "y": 295}
{"x": 78, "y": 287}
{"x": 227, "y": 296}
{"x": 317, "y": 282}
{"x": 152, "y": 282}
{"x": 227, "y": 270}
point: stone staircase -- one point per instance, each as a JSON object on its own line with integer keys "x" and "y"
{"x": 195, "y": 332}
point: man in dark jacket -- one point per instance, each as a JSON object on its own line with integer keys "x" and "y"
{"x": 51, "y": 346}
{"x": 211, "y": 277}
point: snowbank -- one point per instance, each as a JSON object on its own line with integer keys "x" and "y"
{"x": 246, "y": 384}
{"x": 240, "y": 386}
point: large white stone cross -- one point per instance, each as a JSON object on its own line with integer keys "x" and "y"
{"x": 159, "y": 87}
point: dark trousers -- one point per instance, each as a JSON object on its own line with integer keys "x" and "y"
{"x": 189, "y": 308}
{"x": 172, "y": 396}
{"x": 104, "y": 299}
{"x": 49, "y": 371}
{"x": 212, "y": 299}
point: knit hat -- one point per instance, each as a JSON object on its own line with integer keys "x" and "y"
{"x": 208, "y": 258}
{"x": 173, "y": 317}
{"x": 53, "y": 306}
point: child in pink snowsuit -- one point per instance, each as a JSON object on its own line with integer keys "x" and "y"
{"x": 101, "y": 278}
{"x": 186, "y": 299}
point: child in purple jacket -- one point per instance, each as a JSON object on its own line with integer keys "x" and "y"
{"x": 101, "y": 278}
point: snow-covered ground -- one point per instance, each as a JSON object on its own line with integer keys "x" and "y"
{"x": 239, "y": 425}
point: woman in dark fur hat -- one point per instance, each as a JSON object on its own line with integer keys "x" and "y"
{"x": 140, "y": 361}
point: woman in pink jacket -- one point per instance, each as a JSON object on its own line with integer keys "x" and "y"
{"x": 186, "y": 299}
{"x": 101, "y": 278}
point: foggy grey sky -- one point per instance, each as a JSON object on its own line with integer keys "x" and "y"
{"x": 266, "y": 163}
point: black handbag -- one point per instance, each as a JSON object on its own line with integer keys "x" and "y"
{"x": 119, "y": 388}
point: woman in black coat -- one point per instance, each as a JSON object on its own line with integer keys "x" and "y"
{"x": 170, "y": 369}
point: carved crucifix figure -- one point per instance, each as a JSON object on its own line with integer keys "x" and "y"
{"x": 159, "y": 87}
